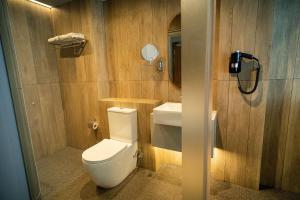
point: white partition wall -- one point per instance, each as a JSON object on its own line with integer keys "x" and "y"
{"x": 197, "y": 26}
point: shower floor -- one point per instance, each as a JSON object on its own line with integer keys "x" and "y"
{"x": 63, "y": 177}
{"x": 225, "y": 191}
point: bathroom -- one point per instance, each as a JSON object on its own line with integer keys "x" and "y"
{"x": 68, "y": 103}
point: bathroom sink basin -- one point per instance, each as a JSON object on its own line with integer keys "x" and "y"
{"x": 168, "y": 114}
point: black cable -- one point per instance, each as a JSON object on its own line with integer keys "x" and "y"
{"x": 256, "y": 80}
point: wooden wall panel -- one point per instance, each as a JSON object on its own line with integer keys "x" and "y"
{"x": 255, "y": 148}
{"x": 99, "y": 47}
{"x": 130, "y": 25}
{"x": 297, "y": 64}
{"x": 173, "y": 9}
{"x": 225, "y": 38}
{"x": 103, "y": 89}
{"x": 80, "y": 106}
{"x": 31, "y": 26}
{"x": 285, "y": 35}
{"x": 156, "y": 89}
{"x": 237, "y": 135}
{"x": 20, "y": 32}
{"x": 40, "y": 29}
{"x": 134, "y": 63}
{"x": 296, "y": 24}
{"x": 243, "y": 23}
{"x": 124, "y": 89}
{"x": 283, "y": 65}
{"x": 53, "y": 117}
{"x": 160, "y": 25}
{"x": 216, "y": 41}
{"x": 70, "y": 69}
{"x": 291, "y": 172}
{"x": 243, "y": 32}
{"x": 275, "y": 131}
{"x": 110, "y": 42}
{"x": 256, "y": 134}
{"x": 84, "y": 79}
{"x": 263, "y": 39}
{"x": 222, "y": 97}
{"x": 240, "y": 134}
{"x": 128, "y": 28}
{"x": 89, "y": 58}
{"x": 174, "y": 93}
{"x": 35, "y": 120}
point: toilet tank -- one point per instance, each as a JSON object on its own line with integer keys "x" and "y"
{"x": 122, "y": 124}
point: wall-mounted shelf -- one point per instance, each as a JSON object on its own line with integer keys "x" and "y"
{"x": 76, "y": 41}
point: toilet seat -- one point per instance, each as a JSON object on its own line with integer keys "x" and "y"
{"x": 104, "y": 151}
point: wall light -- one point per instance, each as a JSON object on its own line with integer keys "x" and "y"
{"x": 40, "y": 3}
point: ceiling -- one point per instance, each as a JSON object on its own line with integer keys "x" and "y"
{"x": 56, "y": 2}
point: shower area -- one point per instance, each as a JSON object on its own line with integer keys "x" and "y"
{"x": 62, "y": 87}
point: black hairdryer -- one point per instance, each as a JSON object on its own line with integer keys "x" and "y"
{"x": 235, "y": 67}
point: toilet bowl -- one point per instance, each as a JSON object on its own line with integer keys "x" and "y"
{"x": 110, "y": 161}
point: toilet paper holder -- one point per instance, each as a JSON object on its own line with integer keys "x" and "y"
{"x": 93, "y": 124}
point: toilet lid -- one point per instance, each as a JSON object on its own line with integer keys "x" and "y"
{"x": 103, "y": 151}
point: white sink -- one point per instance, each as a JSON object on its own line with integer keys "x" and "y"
{"x": 168, "y": 114}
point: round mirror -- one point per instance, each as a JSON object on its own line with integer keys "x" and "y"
{"x": 174, "y": 50}
{"x": 149, "y": 52}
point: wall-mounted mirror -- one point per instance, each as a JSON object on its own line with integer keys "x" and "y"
{"x": 174, "y": 50}
{"x": 149, "y": 53}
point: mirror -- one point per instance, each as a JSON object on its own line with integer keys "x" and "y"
{"x": 149, "y": 52}
{"x": 174, "y": 50}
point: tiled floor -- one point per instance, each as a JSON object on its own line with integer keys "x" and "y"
{"x": 63, "y": 177}
{"x": 225, "y": 191}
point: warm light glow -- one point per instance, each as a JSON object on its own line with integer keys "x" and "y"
{"x": 40, "y": 3}
{"x": 213, "y": 152}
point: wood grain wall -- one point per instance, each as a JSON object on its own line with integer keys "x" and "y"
{"x": 111, "y": 65}
{"x": 257, "y": 136}
{"x": 130, "y": 25}
{"x": 62, "y": 91}
{"x": 37, "y": 69}
{"x": 83, "y": 79}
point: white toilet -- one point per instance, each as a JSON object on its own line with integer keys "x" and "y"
{"x": 110, "y": 161}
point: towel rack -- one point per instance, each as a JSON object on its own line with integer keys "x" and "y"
{"x": 78, "y": 46}
{"x": 76, "y": 41}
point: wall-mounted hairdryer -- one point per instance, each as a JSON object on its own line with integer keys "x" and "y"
{"x": 235, "y": 67}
